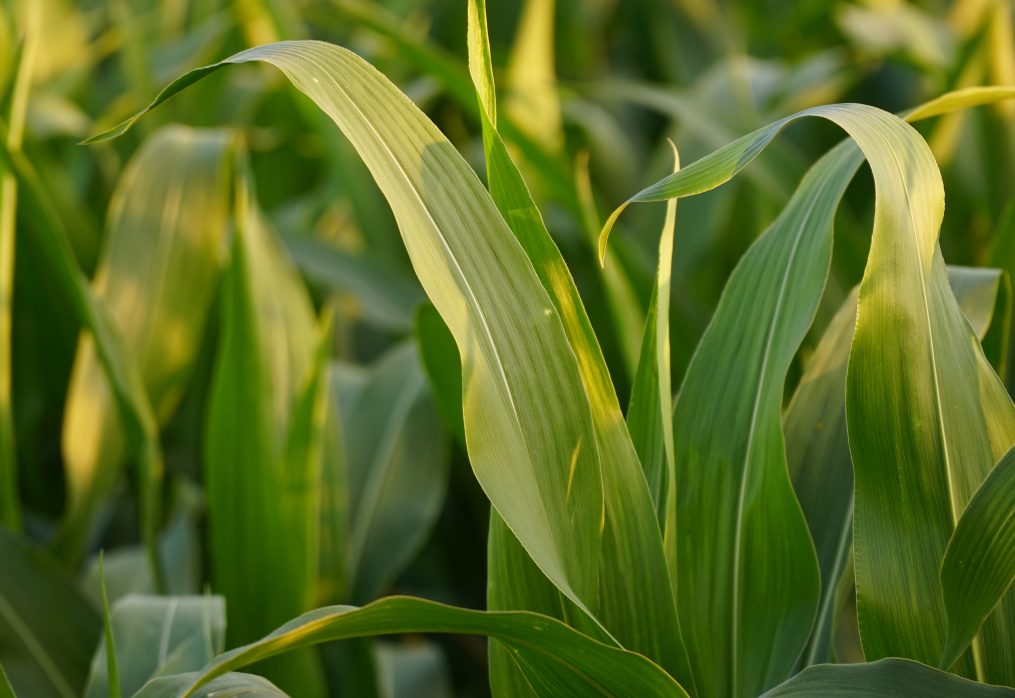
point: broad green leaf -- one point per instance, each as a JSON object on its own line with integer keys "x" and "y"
{"x": 231, "y": 684}
{"x": 900, "y": 605}
{"x": 158, "y": 272}
{"x": 262, "y": 447}
{"x": 895, "y": 678}
{"x": 817, "y": 450}
{"x": 47, "y": 629}
{"x": 979, "y": 563}
{"x": 397, "y": 456}
{"x": 540, "y": 465}
{"x": 639, "y": 614}
{"x": 159, "y": 636}
{"x": 556, "y": 659}
{"x": 14, "y": 116}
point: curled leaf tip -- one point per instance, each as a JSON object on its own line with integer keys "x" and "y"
{"x": 604, "y": 236}
{"x": 676, "y": 154}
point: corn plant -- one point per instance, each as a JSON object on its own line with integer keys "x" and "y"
{"x": 712, "y": 542}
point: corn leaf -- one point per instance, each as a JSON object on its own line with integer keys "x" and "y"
{"x": 817, "y": 450}
{"x": 556, "y": 659}
{"x": 637, "y": 612}
{"x": 157, "y": 276}
{"x": 979, "y": 563}
{"x": 47, "y": 629}
{"x": 262, "y": 455}
{"x": 893, "y": 611}
{"x": 650, "y": 412}
{"x": 158, "y": 636}
{"x": 899, "y": 678}
{"x": 539, "y": 466}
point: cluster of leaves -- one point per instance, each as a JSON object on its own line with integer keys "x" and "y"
{"x": 262, "y": 382}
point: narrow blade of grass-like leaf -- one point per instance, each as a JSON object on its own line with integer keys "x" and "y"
{"x": 650, "y": 413}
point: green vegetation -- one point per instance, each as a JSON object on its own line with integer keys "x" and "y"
{"x": 325, "y": 376}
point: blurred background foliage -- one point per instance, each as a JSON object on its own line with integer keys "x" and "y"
{"x": 227, "y": 322}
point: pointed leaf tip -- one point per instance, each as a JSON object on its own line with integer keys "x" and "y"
{"x": 604, "y": 236}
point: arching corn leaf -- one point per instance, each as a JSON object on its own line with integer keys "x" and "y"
{"x": 540, "y": 465}
{"x": 817, "y": 449}
{"x": 742, "y": 491}
{"x": 556, "y": 659}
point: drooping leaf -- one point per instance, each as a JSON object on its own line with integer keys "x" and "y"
{"x": 556, "y": 659}
{"x": 157, "y": 275}
{"x": 48, "y": 630}
{"x": 899, "y": 678}
{"x": 907, "y": 181}
{"x": 979, "y": 563}
{"x": 538, "y": 465}
{"x": 159, "y": 636}
{"x": 817, "y": 450}
{"x": 631, "y": 534}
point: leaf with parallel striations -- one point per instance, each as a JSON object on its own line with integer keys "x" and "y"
{"x": 899, "y": 618}
{"x": 979, "y": 564}
{"x": 556, "y": 659}
{"x": 817, "y": 450}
